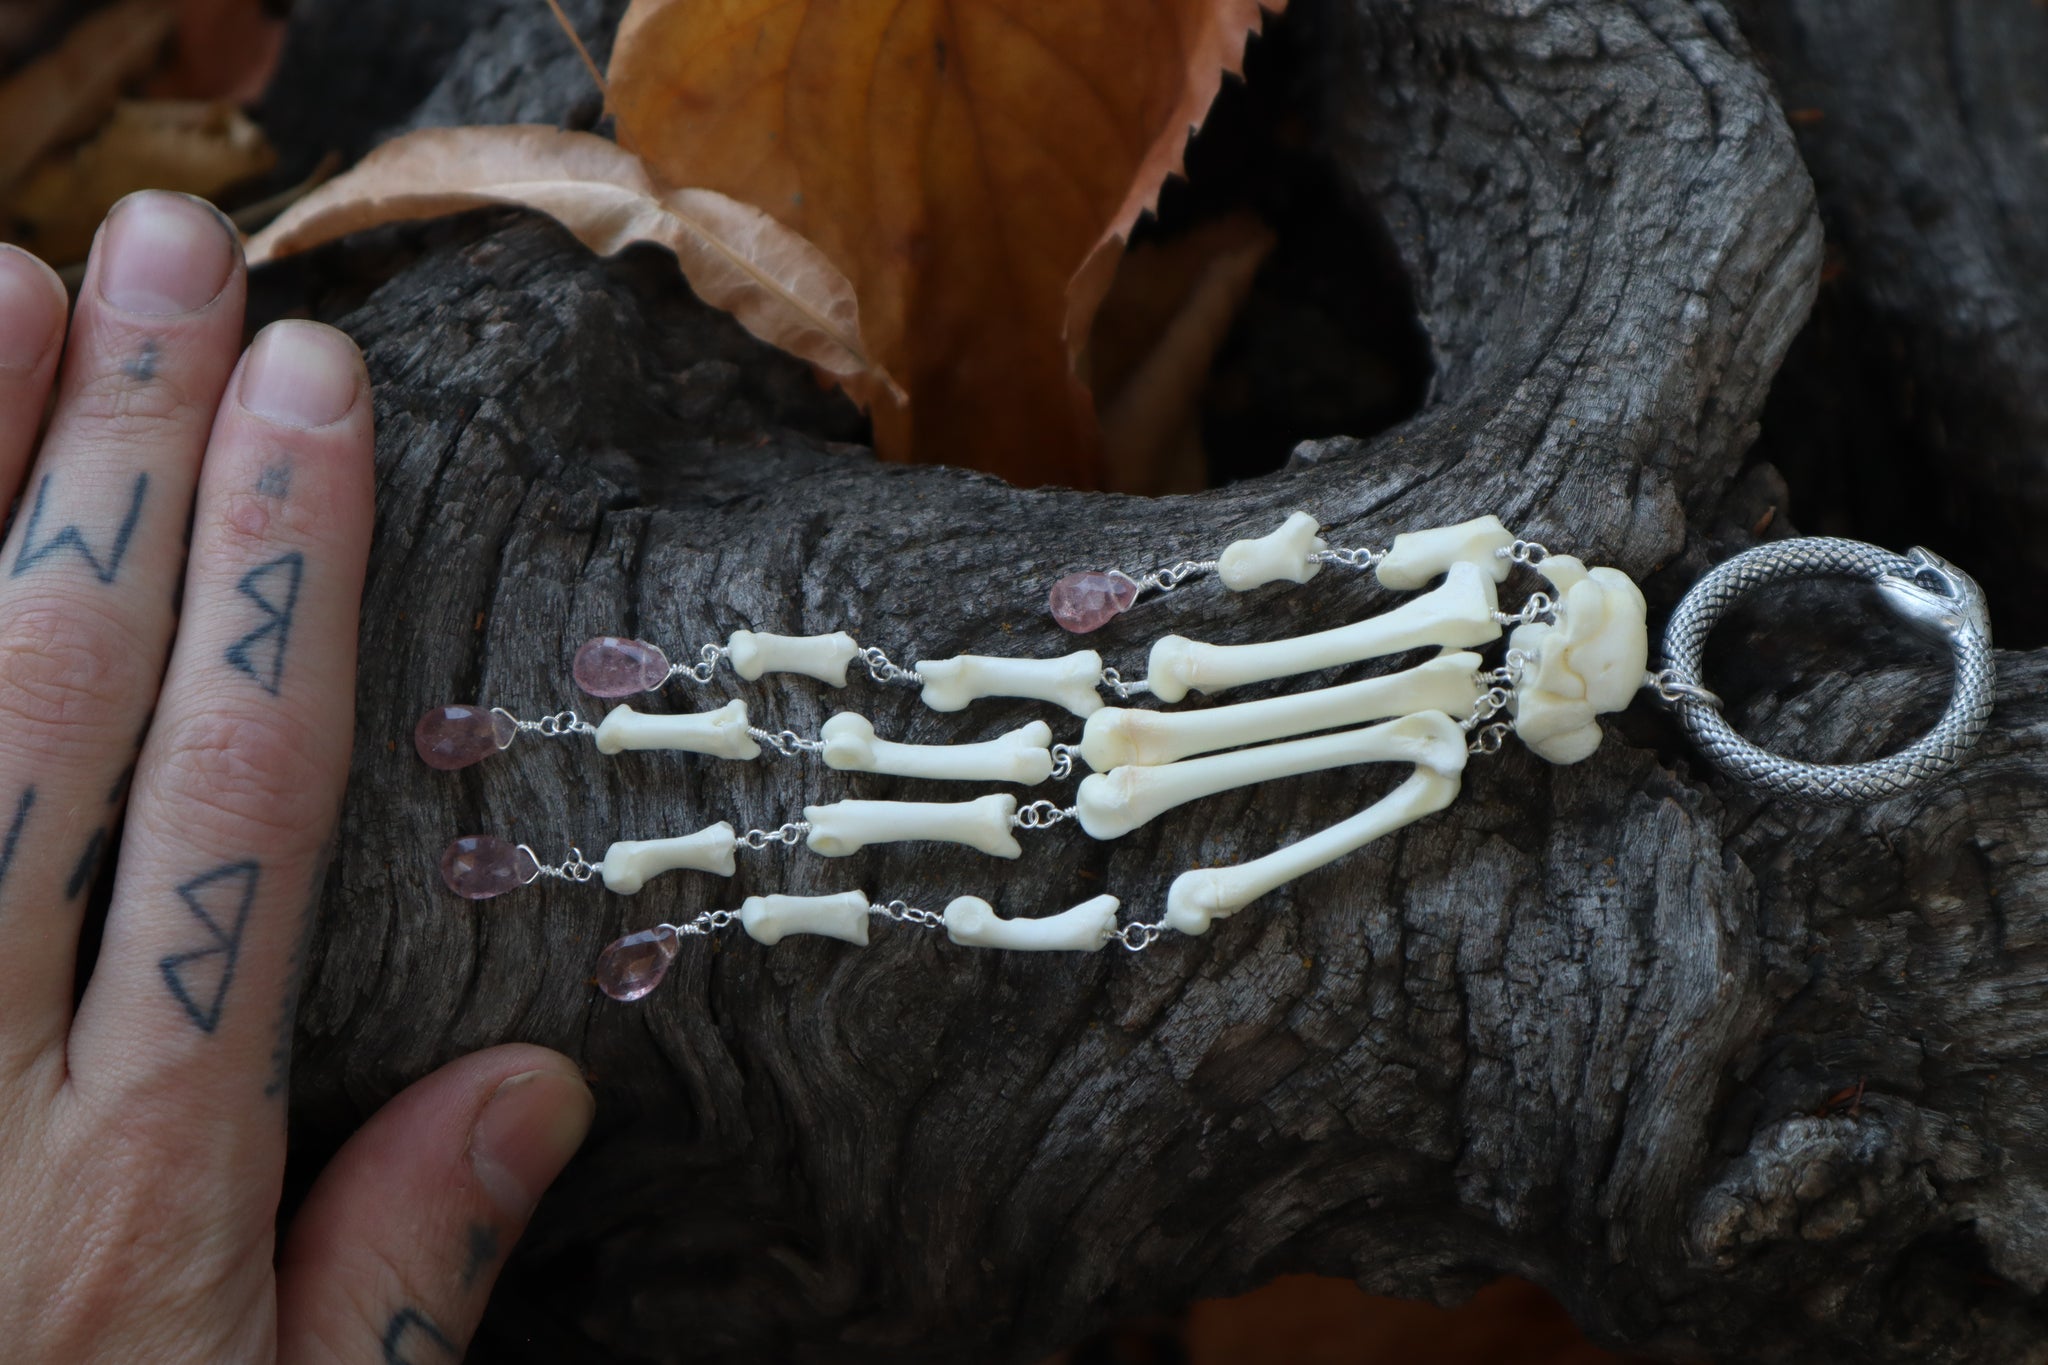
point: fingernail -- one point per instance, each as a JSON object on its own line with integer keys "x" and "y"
{"x": 32, "y": 306}
{"x": 164, "y": 253}
{"x": 300, "y": 374}
{"x": 526, "y": 1134}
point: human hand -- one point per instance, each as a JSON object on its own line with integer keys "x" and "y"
{"x": 142, "y": 1137}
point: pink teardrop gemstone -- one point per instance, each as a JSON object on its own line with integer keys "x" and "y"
{"x": 635, "y": 964}
{"x": 1086, "y": 601}
{"x": 612, "y": 666}
{"x": 480, "y": 867}
{"x": 450, "y": 737}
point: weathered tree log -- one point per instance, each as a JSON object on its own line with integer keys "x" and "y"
{"x": 1583, "y": 1027}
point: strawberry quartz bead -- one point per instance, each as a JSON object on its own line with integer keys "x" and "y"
{"x": 612, "y": 666}
{"x": 634, "y": 965}
{"x": 1087, "y": 601}
{"x": 480, "y": 867}
{"x": 450, "y": 737}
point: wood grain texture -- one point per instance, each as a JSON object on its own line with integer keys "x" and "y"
{"x": 1583, "y": 1028}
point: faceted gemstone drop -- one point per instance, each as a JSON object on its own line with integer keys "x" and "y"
{"x": 635, "y": 964}
{"x": 480, "y": 867}
{"x": 450, "y": 737}
{"x": 611, "y": 666}
{"x": 1086, "y": 601}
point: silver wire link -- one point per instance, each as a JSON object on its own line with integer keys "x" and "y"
{"x": 905, "y": 913}
{"x": 1670, "y": 687}
{"x": 576, "y": 869}
{"x": 709, "y": 922}
{"x": 788, "y": 743}
{"x": 1063, "y": 756}
{"x": 788, "y": 835}
{"x": 1488, "y": 734}
{"x": 1114, "y": 681}
{"x": 1540, "y": 607}
{"x": 554, "y": 727}
{"x": 883, "y": 670}
{"x": 1923, "y": 590}
{"x": 1173, "y": 575}
{"x": 1138, "y": 936}
{"x": 1356, "y": 558}
{"x": 1042, "y": 815}
{"x": 706, "y": 665}
{"x": 1526, "y": 552}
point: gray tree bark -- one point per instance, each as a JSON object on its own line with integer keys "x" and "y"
{"x": 1590, "y": 1026}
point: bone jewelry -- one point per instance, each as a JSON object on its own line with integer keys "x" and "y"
{"x": 1575, "y": 652}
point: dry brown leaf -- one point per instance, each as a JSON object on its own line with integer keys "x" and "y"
{"x": 972, "y": 165}
{"x": 66, "y": 93}
{"x": 195, "y": 147}
{"x": 1160, "y": 327}
{"x": 779, "y": 286}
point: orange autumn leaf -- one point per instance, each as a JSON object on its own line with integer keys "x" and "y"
{"x": 971, "y": 165}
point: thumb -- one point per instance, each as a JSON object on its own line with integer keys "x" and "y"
{"x": 394, "y": 1254}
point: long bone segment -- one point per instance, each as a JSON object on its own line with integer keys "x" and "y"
{"x": 1024, "y": 755}
{"x": 972, "y": 922}
{"x": 1069, "y": 681}
{"x": 1415, "y": 557}
{"x": 1456, "y": 614}
{"x": 1116, "y": 736}
{"x": 1210, "y": 893}
{"x": 1112, "y": 804}
{"x": 823, "y": 657}
{"x": 630, "y": 862}
{"x": 847, "y": 827}
{"x": 768, "y": 919}
{"x": 721, "y": 733}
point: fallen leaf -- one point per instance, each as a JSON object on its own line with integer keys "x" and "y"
{"x": 1157, "y": 334}
{"x": 225, "y": 50}
{"x": 64, "y": 94}
{"x": 779, "y": 286}
{"x": 197, "y": 148}
{"x": 971, "y": 165}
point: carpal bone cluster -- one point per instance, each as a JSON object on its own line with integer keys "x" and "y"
{"x": 1576, "y": 651}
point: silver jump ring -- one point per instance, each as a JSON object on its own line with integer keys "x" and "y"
{"x": 1921, "y": 588}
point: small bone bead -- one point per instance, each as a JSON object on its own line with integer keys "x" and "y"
{"x": 1024, "y": 755}
{"x": 630, "y": 862}
{"x": 1206, "y": 894}
{"x": 1284, "y": 554}
{"x": 1456, "y": 614}
{"x": 1116, "y": 736}
{"x": 721, "y": 733}
{"x": 767, "y": 919}
{"x": 1415, "y": 557}
{"x": 973, "y": 923}
{"x": 1113, "y": 804}
{"x": 1069, "y": 681}
{"x": 823, "y": 657}
{"x": 847, "y": 827}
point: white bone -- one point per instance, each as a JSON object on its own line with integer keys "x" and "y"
{"x": 1415, "y": 557}
{"x": 721, "y": 733}
{"x": 630, "y": 862}
{"x": 823, "y": 657}
{"x": 1024, "y": 755}
{"x": 844, "y": 916}
{"x": 847, "y": 827}
{"x": 1196, "y": 898}
{"x": 1286, "y": 553}
{"x": 1112, "y": 804}
{"x": 1069, "y": 681}
{"x": 1587, "y": 664}
{"x": 1456, "y": 614}
{"x": 1116, "y": 736}
{"x": 973, "y": 923}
